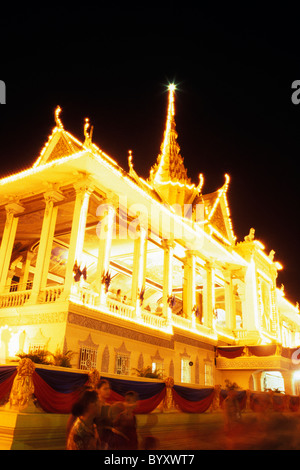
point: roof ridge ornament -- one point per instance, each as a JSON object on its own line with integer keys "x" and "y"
{"x": 58, "y": 122}
{"x": 87, "y": 135}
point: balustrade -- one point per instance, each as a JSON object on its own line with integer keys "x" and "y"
{"x": 120, "y": 308}
{"x": 181, "y": 322}
{"x": 14, "y": 299}
{"x": 50, "y": 294}
{"x": 153, "y": 320}
{"x": 89, "y": 298}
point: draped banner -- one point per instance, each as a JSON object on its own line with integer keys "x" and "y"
{"x": 150, "y": 394}
{"x": 231, "y": 352}
{"x": 192, "y": 400}
{"x": 279, "y": 402}
{"x": 263, "y": 350}
{"x": 236, "y": 351}
{"x": 61, "y": 398}
{"x": 294, "y": 403}
{"x": 57, "y": 391}
{"x": 7, "y": 375}
{"x": 260, "y": 401}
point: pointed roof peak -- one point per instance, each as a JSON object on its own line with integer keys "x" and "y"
{"x": 169, "y": 166}
{"x": 60, "y": 143}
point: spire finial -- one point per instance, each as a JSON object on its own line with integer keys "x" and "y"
{"x": 170, "y": 118}
{"x": 169, "y": 166}
{"x": 87, "y": 135}
{"x": 57, "y": 118}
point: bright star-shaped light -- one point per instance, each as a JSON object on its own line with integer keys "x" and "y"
{"x": 172, "y": 87}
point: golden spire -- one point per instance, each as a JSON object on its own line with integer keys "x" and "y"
{"x": 169, "y": 165}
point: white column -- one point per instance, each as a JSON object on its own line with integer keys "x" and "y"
{"x": 138, "y": 272}
{"x": 208, "y": 295}
{"x": 45, "y": 245}
{"x": 168, "y": 246}
{"x": 8, "y": 239}
{"x": 250, "y": 304}
{"x": 83, "y": 190}
{"x": 105, "y": 231}
{"x": 25, "y": 270}
{"x": 189, "y": 288}
{"x": 229, "y": 302}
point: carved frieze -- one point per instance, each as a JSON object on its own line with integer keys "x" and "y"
{"x": 117, "y": 330}
{"x": 252, "y": 362}
{"x": 34, "y": 319}
{"x": 192, "y": 342}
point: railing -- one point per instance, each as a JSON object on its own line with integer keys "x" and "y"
{"x": 14, "y": 299}
{"x": 50, "y": 294}
{"x": 121, "y": 309}
{"x": 90, "y": 298}
{"x": 181, "y": 322}
{"x": 153, "y": 320}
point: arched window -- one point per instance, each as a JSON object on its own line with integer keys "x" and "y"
{"x": 272, "y": 380}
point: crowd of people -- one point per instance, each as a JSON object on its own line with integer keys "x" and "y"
{"x": 94, "y": 424}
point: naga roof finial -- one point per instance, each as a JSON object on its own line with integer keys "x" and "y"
{"x": 57, "y": 118}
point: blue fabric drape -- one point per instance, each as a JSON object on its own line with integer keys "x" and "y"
{"x": 6, "y": 372}
{"x": 61, "y": 381}
{"x": 143, "y": 389}
{"x": 192, "y": 394}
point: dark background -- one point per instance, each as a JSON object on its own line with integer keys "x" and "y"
{"x": 233, "y": 66}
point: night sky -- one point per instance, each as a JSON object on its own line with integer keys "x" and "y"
{"x": 233, "y": 67}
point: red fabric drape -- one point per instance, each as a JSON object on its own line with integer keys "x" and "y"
{"x": 294, "y": 403}
{"x": 5, "y": 387}
{"x": 231, "y": 353}
{"x": 193, "y": 406}
{"x": 268, "y": 350}
{"x": 149, "y": 404}
{"x": 278, "y": 403}
{"x": 260, "y": 401}
{"x": 144, "y": 406}
{"x": 50, "y": 400}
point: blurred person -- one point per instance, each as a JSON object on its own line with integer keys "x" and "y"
{"x": 232, "y": 410}
{"x": 103, "y": 420}
{"x": 150, "y": 443}
{"x": 232, "y": 417}
{"x": 83, "y": 434}
{"x": 118, "y": 295}
{"x": 124, "y": 426}
{"x": 74, "y": 412}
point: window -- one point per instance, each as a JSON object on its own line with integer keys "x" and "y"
{"x": 185, "y": 370}
{"x": 208, "y": 374}
{"x": 122, "y": 364}
{"x": 87, "y": 359}
{"x": 35, "y": 348}
{"x": 158, "y": 367}
{"x": 272, "y": 380}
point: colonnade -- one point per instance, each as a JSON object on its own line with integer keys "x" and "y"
{"x": 105, "y": 230}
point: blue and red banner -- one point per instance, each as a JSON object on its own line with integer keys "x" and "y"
{"x": 57, "y": 391}
{"x": 150, "y": 394}
{"x": 7, "y": 376}
{"x": 57, "y": 397}
{"x": 192, "y": 400}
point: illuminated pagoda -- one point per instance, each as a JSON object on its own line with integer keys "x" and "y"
{"x": 128, "y": 272}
